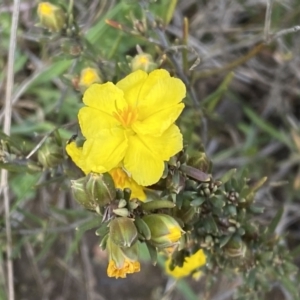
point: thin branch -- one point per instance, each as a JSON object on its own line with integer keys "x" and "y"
{"x": 6, "y": 130}
{"x": 285, "y": 31}
{"x": 268, "y": 20}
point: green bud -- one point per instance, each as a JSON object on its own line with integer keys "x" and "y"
{"x": 51, "y": 16}
{"x": 94, "y": 190}
{"x": 122, "y": 212}
{"x": 104, "y": 242}
{"x": 165, "y": 230}
{"x": 200, "y": 162}
{"x": 142, "y": 228}
{"x": 217, "y": 202}
{"x": 209, "y": 240}
{"x": 231, "y": 209}
{"x": 206, "y": 192}
{"x": 133, "y": 204}
{"x": 157, "y": 204}
{"x": 231, "y": 229}
{"x": 176, "y": 182}
{"x": 50, "y": 154}
{"x": 122, "y": 203}
{"x": 235, "y": 247}
{"x": 123, "y": 232}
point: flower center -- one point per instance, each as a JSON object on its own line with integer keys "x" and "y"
{"x": 119, "y": 177}
{"x": 126, "y": 116}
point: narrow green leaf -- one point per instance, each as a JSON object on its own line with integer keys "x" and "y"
{"x": 267, "y": 127}
{"x": 275, "y": 221}
{"x": 227, "y": 176}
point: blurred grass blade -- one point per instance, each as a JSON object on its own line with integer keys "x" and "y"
{"x": 170, "y": 11}
{"x": 266, "y": 127}
{"x": 227, "y": 176}
{"x": 213, "y": 99}
{"x": 14, "y": 167}
{"x": 47, "y": 243}
{"x": 272, "y": 226}
{"x": 186, "y": 290}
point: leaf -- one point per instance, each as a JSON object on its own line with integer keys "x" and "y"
{"x": 291, "y": 287}
{"x": 213, "y": 99}
{"x": 267, "y": 127}
{"x": 11, "y": 140}
{"x": 164, "y": 9}
{"x": 14, "y": 167}
{"x": 275, "y": 221}
{"x": 54, "y": 70}
{"x": 258, "y": 184}
{"x": 152, "y": 253}
{"x": 227, "y": 176}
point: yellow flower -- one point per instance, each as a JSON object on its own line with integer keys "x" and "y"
{"x": 88, "y": 76}
{"x": 128, "y": 267}
{"x": 51, "y": 16}
{"x": 191, "y": 264}
{"x": 120, "y": 177}
{"x": 132, "y": 124}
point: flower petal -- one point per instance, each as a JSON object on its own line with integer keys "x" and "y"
{"x": 105, "y": 152}
{"x": 145, "y": 168}
{"x": 104, "y": 97}
{"x": 92, "y": 120}
{"x": 166, "y": 93}
{"x": 76, "y": 155}
{"x": 138, "y": 84}
{"x": 131, "y": 86}
{"x": 166, "y": 145}
{"x": 157, "y": 123}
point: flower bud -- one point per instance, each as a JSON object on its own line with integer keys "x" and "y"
{"x": 123, "y": 232}
{"x": 175, "y": 182}
{"x": 165, "y": 230}
{"x": 51, "y": 16}
{"x": 235, "y": 247}
{"x": 94, "y": 190}
{"x": 88, "y": 76}
{"x": 200, "y": 162}
{"x": 143, "y": 62}
{"x": 50, "y": 154}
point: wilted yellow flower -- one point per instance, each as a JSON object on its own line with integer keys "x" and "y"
{"x": 88, "y": 76}
{"x": 191, "y": 264}
{"x": 51, "y": 16}
{"x": 120, "y": 177}
{"x": 122, "y": 261}
{"x": 128, "y": 267}
{"x": 132, "y": 124}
